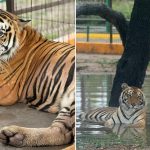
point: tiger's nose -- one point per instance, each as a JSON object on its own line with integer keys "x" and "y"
{"x": 133, "y": 104}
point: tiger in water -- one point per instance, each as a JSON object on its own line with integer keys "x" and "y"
{"x": 131, "y": 111}
{"x": 40, "y": 73}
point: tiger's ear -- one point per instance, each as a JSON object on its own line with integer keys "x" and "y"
{"x": 124, "y": 86}
{"x": 23, "y": 22}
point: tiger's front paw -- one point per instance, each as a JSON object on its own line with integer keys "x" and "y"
{"x": 109, "y": 124}
{"x": 10, "y": 136}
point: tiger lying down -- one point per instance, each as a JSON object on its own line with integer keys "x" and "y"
{"x": 39, "y": 73}
{"x": 131, "y": 112}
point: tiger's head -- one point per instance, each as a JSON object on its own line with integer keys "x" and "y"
{"x": 10, "y": 29}
{"x": 131, "y": 98}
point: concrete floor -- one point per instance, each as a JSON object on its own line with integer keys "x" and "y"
{"x": 22, "y": 115}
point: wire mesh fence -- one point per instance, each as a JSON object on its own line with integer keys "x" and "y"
{"x": 55, "y": 19}
{"x": 3, "y": 4}
{"x": 92, "y": 1}
{"x": 94, "y": 28}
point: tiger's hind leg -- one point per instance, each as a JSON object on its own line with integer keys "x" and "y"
{"x": 60, "y": 132}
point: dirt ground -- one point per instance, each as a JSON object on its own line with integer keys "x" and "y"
{"x": 97, "y": 64}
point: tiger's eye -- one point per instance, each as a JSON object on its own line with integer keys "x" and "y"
{"x": 1, "y": 33}
{"x": 125, "y": 99}
{"x": 140, "y": 96}
{"x": 130, "y": 93}
{"x": 141, "y": 102}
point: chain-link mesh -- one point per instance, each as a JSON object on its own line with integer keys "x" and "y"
{"x": 55, "y": 19}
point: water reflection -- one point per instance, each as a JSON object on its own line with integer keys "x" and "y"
{"x": 93, "y": 91}
{"x": 128, "y": 132}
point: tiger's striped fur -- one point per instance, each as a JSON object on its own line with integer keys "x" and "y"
{"x": 41, "y": 74}
{"x": 130, "y": 112}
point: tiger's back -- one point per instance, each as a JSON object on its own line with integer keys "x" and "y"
{"x": 49, "y": 74}
{"x": 131, "y": 111}
{"x": 41, "y": 74}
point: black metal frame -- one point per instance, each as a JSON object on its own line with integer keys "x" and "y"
{"x": 10, "y": 6}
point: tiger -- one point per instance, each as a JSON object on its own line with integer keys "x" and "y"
{"x": 41, "y": 74}
{"x": 131, "y": 111}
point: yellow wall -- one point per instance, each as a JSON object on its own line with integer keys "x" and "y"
{"x": 101, "y": 48}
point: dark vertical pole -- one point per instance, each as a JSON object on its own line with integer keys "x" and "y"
{"x": 82, "y": 85}
{"x": 111, "y": 38}
{"x": 88, "y": 33}
{"x": 10, "y": 5}
{"x": 108, "y": 24}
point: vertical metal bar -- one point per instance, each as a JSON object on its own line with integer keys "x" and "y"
{"x": 87, "y": 32}
{"x": 83, "y": 98}
{"x": 109, "y": 25}
{"x": 52, "y": 23}
{"x": 63, "y": 22}
{"x": 31, "y": 13}
{"x": 111, "y": 35}
{"x": 10, "y": 6}
{"x": 41, "y": 19}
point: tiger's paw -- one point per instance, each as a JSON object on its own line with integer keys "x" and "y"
{"x": 72, "y": 147}
{"x": 109, "y": 124}
{"x": 10, "y": 136}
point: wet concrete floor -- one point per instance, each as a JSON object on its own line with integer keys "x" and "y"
{"x": 93, "y": 91}
{"x": 22, "y": 115}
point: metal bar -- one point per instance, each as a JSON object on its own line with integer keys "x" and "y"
{"x": 109, "y": 25}
{"x": 39, "y": 7}
{"x": 88, "y": 32}
{"x": 10, "y": 6}
{"x": 111, "y": 37}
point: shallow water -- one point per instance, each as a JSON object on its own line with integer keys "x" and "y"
{"x": 93, "y": 91}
